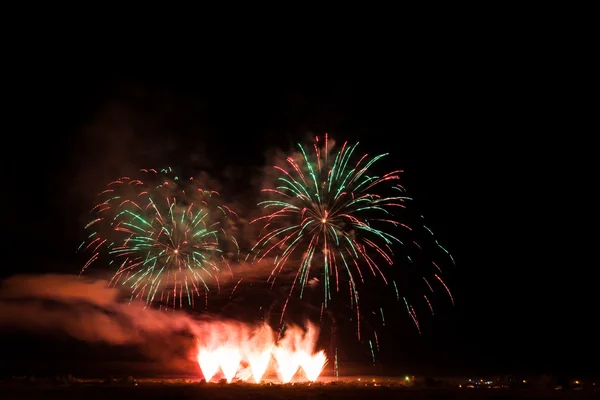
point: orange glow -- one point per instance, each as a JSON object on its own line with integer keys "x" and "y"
{"x": 228, "y": 347}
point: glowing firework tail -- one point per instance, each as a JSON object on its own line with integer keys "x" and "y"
{"x": 164, "y": 235}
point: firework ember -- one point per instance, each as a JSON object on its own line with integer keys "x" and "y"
{"x": 235, "y": 352}
{"x": 165, "y": 236}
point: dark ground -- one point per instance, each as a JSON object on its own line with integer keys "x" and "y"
{"x": 15, "y": 391}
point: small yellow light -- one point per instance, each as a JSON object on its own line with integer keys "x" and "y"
{"x": 577, "y": 382}
{"x": 176, "y": 251}
{"x": 324, "y": 220}
{"x": 524, "y": 381}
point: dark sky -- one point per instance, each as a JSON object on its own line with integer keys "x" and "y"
{"x": 472, "y": 133}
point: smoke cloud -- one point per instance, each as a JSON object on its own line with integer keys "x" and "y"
{"x": 85, "y": 310}
{"x": 90, "y": 311}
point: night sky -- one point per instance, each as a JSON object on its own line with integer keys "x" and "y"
{"x": 473, "y": 139}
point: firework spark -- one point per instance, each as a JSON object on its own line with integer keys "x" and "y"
{"x": 164, "y": 234}
{"x": 335, "y": 220}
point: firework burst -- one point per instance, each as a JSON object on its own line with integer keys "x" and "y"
{"x": 166, "y": 237}
{"x": 335, "y": 220}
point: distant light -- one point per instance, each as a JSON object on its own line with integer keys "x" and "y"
{"x": 176, "y": 251}
{"x": 406, "y": 378}
{"x": 577, "y": 382}
{"x": 524, "y": 381}
{"x": 324, "y": 220}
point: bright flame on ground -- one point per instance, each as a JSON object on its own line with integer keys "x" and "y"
{"x": 312, "y": 364}
{"x": 288, "y": 363}
{"x": 228, "y": 348}
{"x": 259, "y": 362}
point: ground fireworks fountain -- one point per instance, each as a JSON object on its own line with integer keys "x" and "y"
{"x": 233, "y": 352}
